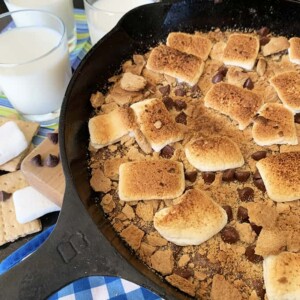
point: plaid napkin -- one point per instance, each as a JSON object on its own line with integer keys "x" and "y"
{"x": 89, "y": 288}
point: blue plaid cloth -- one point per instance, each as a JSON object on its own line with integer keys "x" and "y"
{"x": 94, "y": 287}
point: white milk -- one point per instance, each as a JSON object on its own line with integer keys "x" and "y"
{"x": 107, "y": 13}
{"x": 60, "y": 8}
{"x": 34, "y": 83}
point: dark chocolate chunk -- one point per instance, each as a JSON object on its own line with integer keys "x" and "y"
{"x": 223, "y": 70}
{"x": 258, "y": 155}
{"x": 257, "y": 229}
{"x": 37, "y": 160}
{"x": 228, "y": 175}
{"x": 165, "y": 90}
{"x": 180, "y": 105}
{"x": 208, "y": 177}
{"x": 180, "y": 92}
{"x": 259, "y": 184}
{"x": 181, "y": 118}
{"x": 241, "y": 176}
{"x": 228, "y": 210}
{"x": 256, "y": 175}
{"x": 168, "y": 102}
{"x": 185, "y": 273}
{"x": 53, "y": 137}
{"x": 191, "y": 176}
{"x": 248, "y": 84}
{"x": 4, "y": 196}
{"x": 242, "y": 214}
{"x": 230, "y": 235}
{"x": 246, "y": 194}
{"x": 167, "y": 151}
{"x": 251, "y": 256}
{"x": 263, "y": 31}
{"x": 258, "y": 286}
{"x": 264, "y": 40}
{"x": 51, "y": 161}
{"x": 217, "y": 77}
{"x": 297, "y": 118}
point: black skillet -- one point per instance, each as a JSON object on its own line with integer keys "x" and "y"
{"x": 83, "y": 242}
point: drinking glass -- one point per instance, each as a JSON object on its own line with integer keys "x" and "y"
{"x": 34, "y": 64}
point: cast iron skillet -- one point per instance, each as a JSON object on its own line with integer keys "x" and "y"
{"x": 83, "y": 242}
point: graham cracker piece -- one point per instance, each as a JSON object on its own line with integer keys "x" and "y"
{"x": 182, "y": 284}
{"x": 10, "y": 228}
{"x": 223, "y": 290}
{"x": 29, "y": 129}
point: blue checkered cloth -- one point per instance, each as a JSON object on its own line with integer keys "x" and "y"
{"x": 95, "y": 287}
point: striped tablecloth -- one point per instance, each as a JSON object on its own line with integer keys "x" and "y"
{"x": 95, "y": 287}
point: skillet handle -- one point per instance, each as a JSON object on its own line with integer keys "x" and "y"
{"x": 75, "y": 249}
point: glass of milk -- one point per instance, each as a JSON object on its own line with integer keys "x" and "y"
{"x": 103, "y": 15}
{"x": 62, "y": 8}
{"x": 34, "y": 64}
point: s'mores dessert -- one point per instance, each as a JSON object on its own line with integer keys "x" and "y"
{"x": 109, "y": 128}
{"x": 239, "y": 104}
{"x": 241, "y": 51}
{"x": 281, "y": 176}
{"x": 214, "y": 154}
{"x": 282, "y": 276}
{"x": 287, "y": 86}
{"x": 194, "y": 44}
{"x": 193, "y": 220}
{"x": 156, "y": 123}
{"x": 274, "y": 125}
{"x": 182, "y": 66}
{"x": 146, "y": 180}
{"x": 294, "y": 50}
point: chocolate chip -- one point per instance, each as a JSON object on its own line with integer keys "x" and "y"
{"x": 246, "y": 194}
{"x": 228, "y": 210}
{"x": 248, "y": 84}
{"x": 165, "y": 90}
{"x": 176, "y": 249}
{"x": 223, "y": 70}
{"x": 241, "y": 176}
{"x": 185, "y": 273}
{"x": 217, "y": 78}
{"x": 256, "y": 175}
{"x": 51, "y": 161}
{"x": 258, "y": 155}
{"x": 228, "y": 175}
{"x": 4, "y": 196}
{"x": 37, "y": 160}
{"x": 257, "y": 229}
{"x": 242, "y": 214}
{"x": 251, "y": 256}
{"x": 230, "y": 235}
{"x": 263, "y": 31}
{"x": 168, "y": 102}
{"x": 167, "y": 151}
{"x": 264, "y": 40}
{"x": 258, "y": 286}
{"x": 259, "y": 184}
{"x": 180, "y": 92}
{"x": 180, "y": 105}
{"x": 208, "y": 177}
{"x": 191, "y": 176}
{"x": 297, "y": 118}
{"x": 195, "y": 91}
{"x": 181, "y": 118}
{"x": 53, "y": 137}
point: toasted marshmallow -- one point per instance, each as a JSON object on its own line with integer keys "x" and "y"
{"x": 241, "y": 50}
{"x": 214, "y": 154}
{"x": 156, "y": 123}
{"x": 275, "y": 45}
{"x": 239, "y": 104}
{"x": 194, "y": 44}
{"x": 294, "y": 50}
{"x": 109, "y": 128}
{"x": 192, "y": 221}
{"x": 154, "y": 179}
{"x": 287, "y": 86}
{"x": 275, "y": 125}
{"x": 282, "y": 276}
{"x": 281, "y": 176}
{"x": 182, "y": 66}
